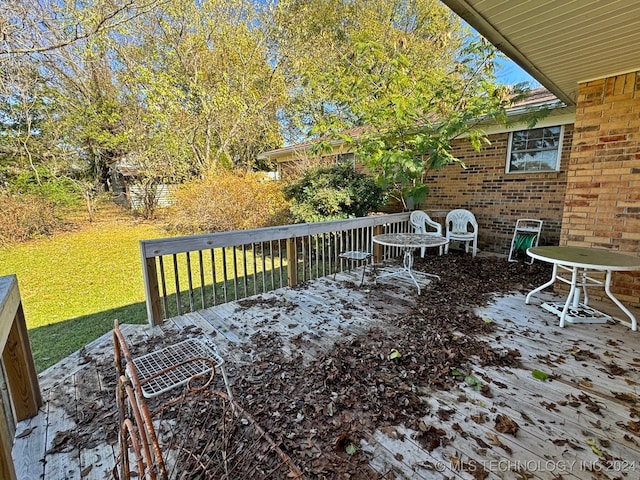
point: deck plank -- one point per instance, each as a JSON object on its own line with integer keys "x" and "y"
{"x": 30, "y": 444}
{"x": 98, "y": 458}
{"x": 394, "y": 452}
{"x": 66, "y": 463}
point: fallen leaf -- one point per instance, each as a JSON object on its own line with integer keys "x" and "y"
{"x": 540, "y": 375}
{"x": 26, "y": 432}
{"x": 394, "y": 354}
{"x": 504, "y": 424}
{"x": 474, "y": 382}
{"x": 592, "y": 443}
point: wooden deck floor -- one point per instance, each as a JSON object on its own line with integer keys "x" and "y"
{"x": 584, "y": 423}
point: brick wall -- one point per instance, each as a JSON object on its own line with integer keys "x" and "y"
{"x": 602, "y": 207}
{"x": 496, "y": 198}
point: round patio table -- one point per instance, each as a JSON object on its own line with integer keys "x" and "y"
{"x": 408, "y": 242}
{"x": 579, "y": 261}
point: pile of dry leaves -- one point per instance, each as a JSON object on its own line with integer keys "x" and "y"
{"x": 319, "y": 411}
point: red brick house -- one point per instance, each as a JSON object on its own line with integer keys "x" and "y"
{"x": 587, "y": 53}
{"x": 509, "y": 179}
{"x": 498, "y": 193}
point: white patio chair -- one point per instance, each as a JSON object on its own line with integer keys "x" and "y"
{"x": 422, "y": 223}
{"x": 461, "y": 225}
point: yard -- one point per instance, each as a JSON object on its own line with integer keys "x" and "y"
{"x": 75, "y": 283}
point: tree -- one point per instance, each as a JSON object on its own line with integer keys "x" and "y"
{"x": 203, "y": 70}
{"x": 187, "y": 87}
{"x": 37, "y": 26}
{"x": 181, "y": 86}
{"x": 76, "y": 134}
{"x": 413, "y": 117}
{"x": 22, "y": 106}
{"x": 407, "y": 72}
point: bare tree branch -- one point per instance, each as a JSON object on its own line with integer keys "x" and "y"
{"x": 23, "y": 27}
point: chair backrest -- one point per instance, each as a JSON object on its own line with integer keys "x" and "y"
{"x": 136, "y": 433}
{"x": 459, "y": 219}
{"x": 419, "y": 220}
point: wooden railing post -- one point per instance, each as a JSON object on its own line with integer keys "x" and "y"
{"x": 151, "y": 288}
{"x": 377, "y": 248}
{"x": 7, "y": 470}
{"x": 292, "y": 262}
{"x": 19, "y": 370}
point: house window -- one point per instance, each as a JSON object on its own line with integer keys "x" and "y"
{"x": 535, "y": 150}
{"x": 345, "y": 158}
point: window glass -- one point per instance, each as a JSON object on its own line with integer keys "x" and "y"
{"x": 535, "y": 150}
{"x": 345, "y": 158}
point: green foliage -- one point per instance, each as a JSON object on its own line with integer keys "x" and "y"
{"x": 193, "y": 86}
{"x": 331, "y": 193}
{"x": 413, "y": 114}
{"x": 319, "y": 41}
{"x": 228, "y": 200}
{"x": 62, "y": 191}
{"x": 409, "y": 73}
{"x": 189, "y": 83}
{"x": 25, "y": 216}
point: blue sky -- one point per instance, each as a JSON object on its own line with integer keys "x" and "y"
{"x": 509, "y": 73}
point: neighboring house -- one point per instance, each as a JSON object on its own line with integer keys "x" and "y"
{"x": 298, "y": 156}
{"x": 127, "y": 191}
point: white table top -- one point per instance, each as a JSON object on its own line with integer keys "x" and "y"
{"x": 583, "y": 257}
{"x": 410, "y": 240}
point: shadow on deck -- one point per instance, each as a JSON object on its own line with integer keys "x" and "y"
{"x": 493, "y": 421}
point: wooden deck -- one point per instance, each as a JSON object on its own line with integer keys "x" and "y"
{"x": 582, "y": 423}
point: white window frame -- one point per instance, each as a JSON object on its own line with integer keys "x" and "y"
{"x": 558, "y": 152}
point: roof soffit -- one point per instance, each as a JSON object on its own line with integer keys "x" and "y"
{"x": 560, "y": 43}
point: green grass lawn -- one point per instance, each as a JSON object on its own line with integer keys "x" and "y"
{"x": 74, "y": 284}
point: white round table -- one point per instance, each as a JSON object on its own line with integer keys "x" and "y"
{"x": 578, "y": 261}
{"x": 408, "y": 242}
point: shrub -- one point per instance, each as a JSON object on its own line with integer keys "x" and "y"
{"x": 331, "y": 193}
{"x": 228, "y": 200}
{"x": 25, "y": 216}
{"x": 60, "y": 190}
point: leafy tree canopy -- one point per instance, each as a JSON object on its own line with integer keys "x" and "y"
{"x": 407, "y": 72}
{"x": 186, "y": 87}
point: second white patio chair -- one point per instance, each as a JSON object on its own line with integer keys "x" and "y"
{"x": 422, "y": 223}
{"x": 461, "y": 225}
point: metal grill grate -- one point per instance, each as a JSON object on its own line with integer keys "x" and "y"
{"x": 173, "y": 366}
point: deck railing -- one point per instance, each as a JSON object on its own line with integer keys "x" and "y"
{"x": 190, "y": 273}
{"x": 20, "y": 395}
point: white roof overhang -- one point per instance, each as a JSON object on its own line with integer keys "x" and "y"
{"x": 563, "y": 42}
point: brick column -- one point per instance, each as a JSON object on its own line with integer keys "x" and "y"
{"x": 602, "y": 203}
